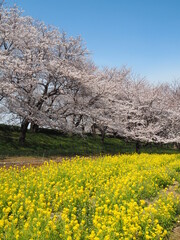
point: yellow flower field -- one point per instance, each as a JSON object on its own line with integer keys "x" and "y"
{"x": 117, "y": 197}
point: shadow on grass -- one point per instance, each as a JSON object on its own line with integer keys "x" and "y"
{"x": 53, "y": 143}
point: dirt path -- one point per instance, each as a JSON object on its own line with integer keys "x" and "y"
{"x": 26, "y": 161}
{"x": 175, "y": 234}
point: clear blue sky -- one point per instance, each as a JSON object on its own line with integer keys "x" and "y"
{"x": 141, "y": 34}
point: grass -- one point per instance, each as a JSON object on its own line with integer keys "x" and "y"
{"x": 47, "y": 143}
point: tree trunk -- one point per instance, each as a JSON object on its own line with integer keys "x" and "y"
{"x": 24, "y": 126}
{"x": 93, "y": 130}
{"x": 83, "y": 130}
{"x": 103, "y": 133}
{"x": 34, "y": 127}
{"x": 138, "y": 147}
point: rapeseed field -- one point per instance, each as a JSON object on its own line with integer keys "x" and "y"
{"x": 102, "y": 198}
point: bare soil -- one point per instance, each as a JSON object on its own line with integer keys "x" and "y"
{"x": 26, "y": 161}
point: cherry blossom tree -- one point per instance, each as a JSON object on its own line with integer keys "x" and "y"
{"x": 94, "y": 101}
{"x": 134, "y": 109}
{"x": 41, "y": 65}
{"x": 171, "y": 100}
{"x": 47, "y": 79}
{"x": 145, "y": 114}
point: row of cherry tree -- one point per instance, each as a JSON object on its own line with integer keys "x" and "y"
{"x": 47, "y": 79}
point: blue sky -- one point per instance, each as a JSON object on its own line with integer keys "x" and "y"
{"x": 141, "y": 34}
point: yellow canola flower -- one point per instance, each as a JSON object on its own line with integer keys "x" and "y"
{"x": 1, "y": 223}
{"x": 109, "y": 197}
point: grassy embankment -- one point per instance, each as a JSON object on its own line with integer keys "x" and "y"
{"x": 47, "y": 143}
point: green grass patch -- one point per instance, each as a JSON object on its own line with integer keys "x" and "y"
{"x": 52, "y": 143}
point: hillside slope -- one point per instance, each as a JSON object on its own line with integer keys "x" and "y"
{"x": 52, "y": 143}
